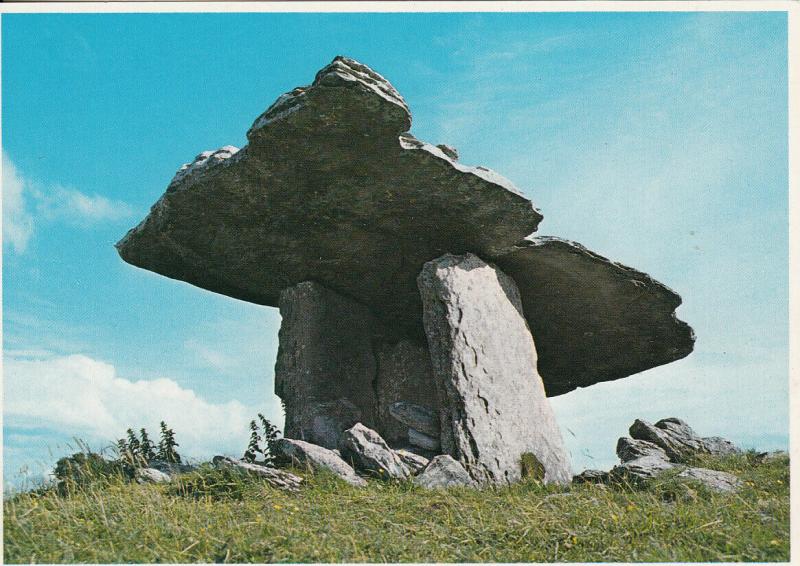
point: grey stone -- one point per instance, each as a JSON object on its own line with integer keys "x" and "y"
{"x": 713, "y": 479}
{"x": 326, "y": 364}
{"x": 370, "y": 453}
{"x": 593, "y": 319}
{"x": 279, "y": 479}
{"x": 630, "y": 449}
{"x": 591, "y": 476}
{"x": 443, "y": 471}
{"x": 494, "y": 408}
{"x": 673, "y": 435}
{"x": 413, "y": 462}
{"x": 151, "y": 475}
{"x": 332, "y": 188}
{"x": 404, "y": 374}
{"x": 416, "y": 438}
{"x": 718, "y": 446}
{"x": 767, "y": 457}
{"x": 317, "y": 458}
{"x": 644, "y": 468}
{"x": 171, "y": 468}
{"x": 414, "y": 416}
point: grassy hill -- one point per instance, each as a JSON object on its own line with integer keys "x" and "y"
{"x": 211, "y": 515}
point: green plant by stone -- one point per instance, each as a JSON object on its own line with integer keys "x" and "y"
{"x": 166, "y": 446}
{"x": 269, "y": 437}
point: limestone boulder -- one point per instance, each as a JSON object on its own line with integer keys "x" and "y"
{"x": 332, "y": 188}
{"x": 444, "y": 471}
{"x": 414, "y": 462}
{"x": 369, "y": 453}
{"x": 712, "y": 479}
{"x": 317, "y": 458}
{"x": 421, "y": 440}
{"x": 493, "y": 404}
{"x": 630, "y": 449}
{"x": 279, "y": 479}
{"x": 151, "y": 475}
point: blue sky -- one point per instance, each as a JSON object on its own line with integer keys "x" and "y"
{"x": 656, "y": 139}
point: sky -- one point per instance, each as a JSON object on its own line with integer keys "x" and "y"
{"x": 658, "y": 140}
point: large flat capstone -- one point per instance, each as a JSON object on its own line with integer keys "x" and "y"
{"x": 333, "y": 188}
{"x": 493, "y": 405}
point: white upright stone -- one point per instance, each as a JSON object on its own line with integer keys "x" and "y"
{"x": 493, "y": 404}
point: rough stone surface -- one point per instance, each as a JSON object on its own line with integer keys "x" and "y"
{"x": 171, "y": 468}
{"x": 593, "y": 319}
{"x": 672, "y": 435}
{"x": 713, "y": 479}
{"x": 494, "y": 408}
{"x": 370, "y": 453}
{"x": 420, "y": 418}
{"x": 326, "y": 364}
{"x": 404, "y": 374}
{"x": 630, "y": 449}
{"x": 413, "y": 462}
{"x": 317, "y": 457}
{"x": 279, "y": 479}
{"x": 332, "y": 188}
{"x": 644, "y": 468}
{"x": 151, "y": 475}
{"x": 416, "y": 438}
{"x": 444, "y": 471}
{"x": 719, "y": 446}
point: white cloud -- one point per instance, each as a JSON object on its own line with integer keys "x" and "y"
{"x": 17, "y": 221}
{"x": 79, "y": 208}
{"x": 83, "y": 397}
{"x": 24, "y": 202}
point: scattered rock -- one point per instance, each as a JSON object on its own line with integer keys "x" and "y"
{"x": 370, "y": 453}
{"x": 672, "y": 435}
{"x": 414, "y": 462}
{"x": 417, "y": 417}
{"x": 317, "y": 457}
{"x": 151, "y": 475}
{"x": 325, "y": 365}
{"x": 718, "y": 446}
{"x": 591, "y": 476}
{"x": 644, "y": 468}
{"x": 424, "y": 441}
{"x": 713, "y": 479}
{"x": 765, "y": 457}
{"x": 494, "y": 407}
{"x": 630, "y": 449}
{"x": 444, "y": 471}
{"x": 171, "y": 468}
{"x": 279, "y": 479}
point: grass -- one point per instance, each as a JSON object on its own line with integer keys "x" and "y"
{"x": 210, "y": 516}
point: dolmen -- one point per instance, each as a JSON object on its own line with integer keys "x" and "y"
{"x": 414, "y": 299}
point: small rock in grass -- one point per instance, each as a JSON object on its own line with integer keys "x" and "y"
{"x": 713, "y": 479}
{"x": 317, "y": 457}
{"x": 415, "y": 462}
{"x": 151, "y": 475}
{"x": 591, "y": 476}
{"x": 276, "y": 478}
{"x": 444, "y": 471}
{"x": 630, "y": 449}
{"x": 370, "y": 453}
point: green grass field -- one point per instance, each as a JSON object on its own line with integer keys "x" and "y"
{"x": 213, "y": 516}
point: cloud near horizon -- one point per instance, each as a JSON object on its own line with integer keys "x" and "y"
{"x": 82, "y": 397}
{"x": 25, "y": 202}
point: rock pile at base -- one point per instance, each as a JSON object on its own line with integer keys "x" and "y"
{"x": 667, "y": 445}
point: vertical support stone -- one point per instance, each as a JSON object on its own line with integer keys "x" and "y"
{"x": 494, "y": 412}
{"x": 326, "y": 369}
